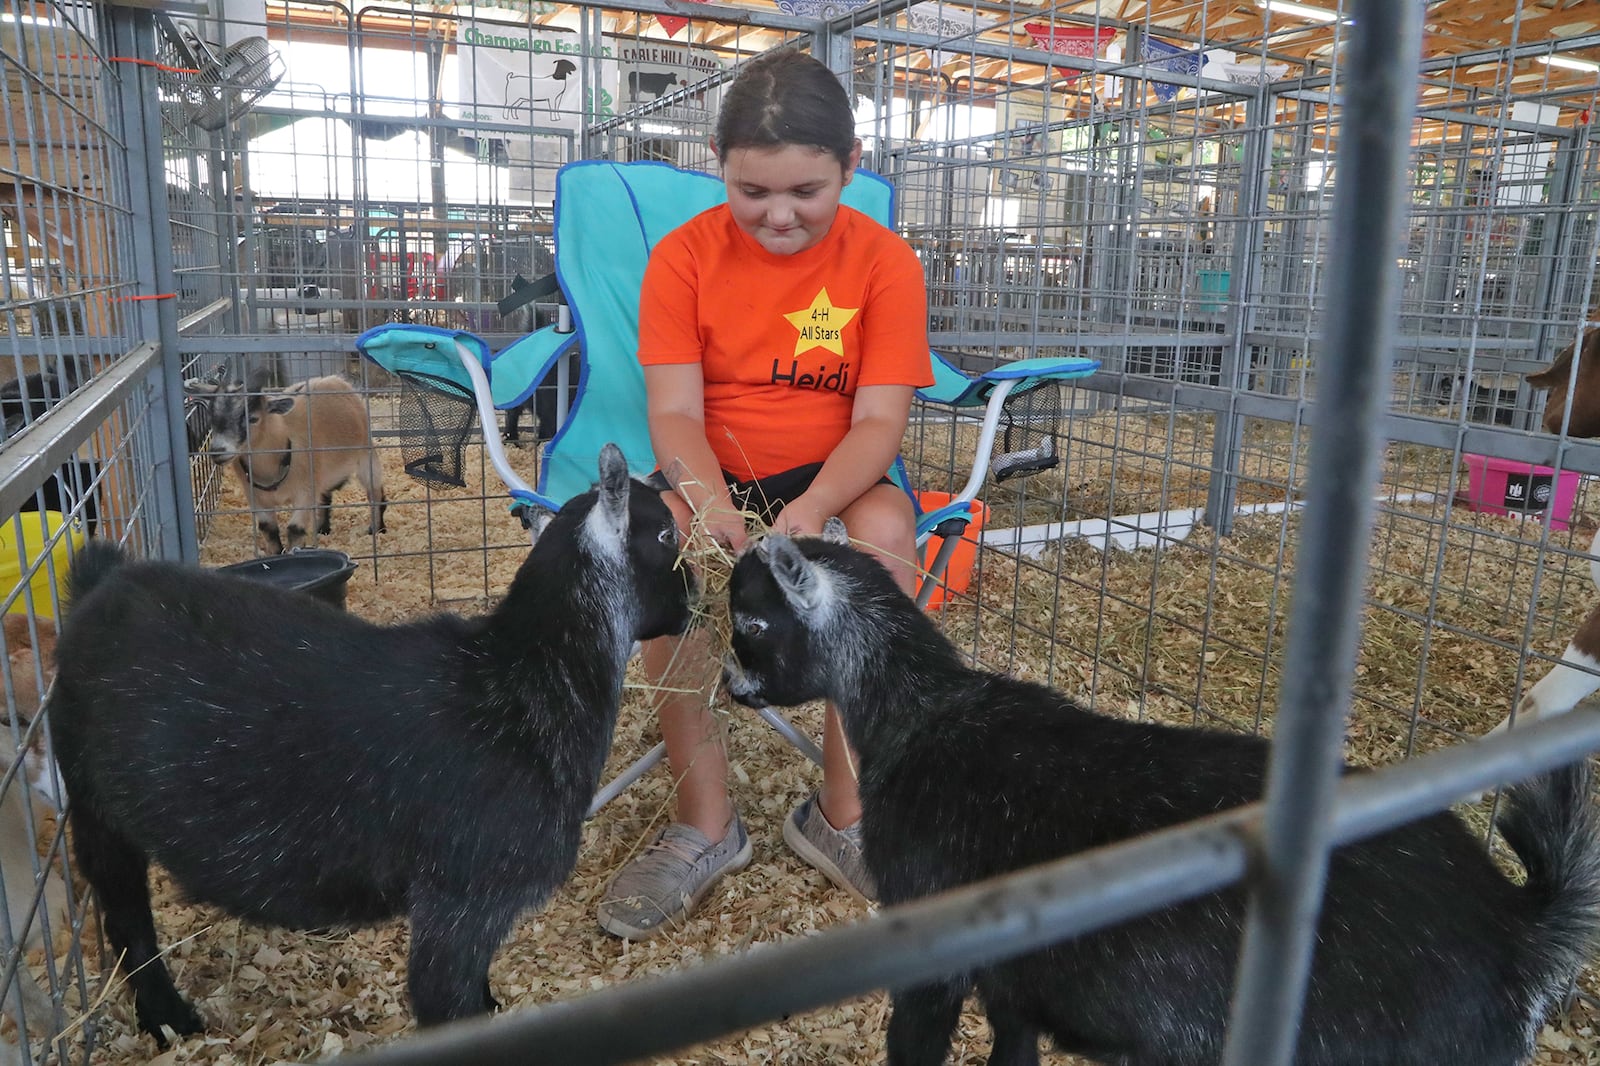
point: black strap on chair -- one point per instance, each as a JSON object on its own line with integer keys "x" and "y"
{"x": 524, "y": 292}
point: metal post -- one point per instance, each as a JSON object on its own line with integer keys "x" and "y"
{"x": 1379, "y": 92}
{"x": 1555, "y": 260}
{"x": 139, "y": 117}
{"x": 1227, "y": 435}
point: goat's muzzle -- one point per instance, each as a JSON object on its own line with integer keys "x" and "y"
{"x": 740, "y": 685}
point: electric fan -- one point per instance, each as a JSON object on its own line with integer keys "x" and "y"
{"x": 216, "y": 87}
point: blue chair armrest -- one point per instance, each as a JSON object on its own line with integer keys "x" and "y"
{"x": 423, "y": 351}
{"x": 955, "y": 389}
{"x": 516, "y": 370}
{"x": 928, "y": 521}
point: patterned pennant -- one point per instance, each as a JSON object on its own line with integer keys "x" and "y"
{"x": 1084, "y": 42}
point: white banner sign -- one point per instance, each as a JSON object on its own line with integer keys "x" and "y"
{"x": 652, "y": 69}
{"x": 527, "y": 76}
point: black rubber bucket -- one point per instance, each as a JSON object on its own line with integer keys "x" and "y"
{"x": 322, "y": 572}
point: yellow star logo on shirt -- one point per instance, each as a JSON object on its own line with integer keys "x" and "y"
{"x": 821, "y": 325}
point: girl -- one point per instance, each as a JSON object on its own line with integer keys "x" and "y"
{"x": 782, "y": 337}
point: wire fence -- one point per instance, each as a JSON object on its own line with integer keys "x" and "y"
{"x": 192, "y": 196}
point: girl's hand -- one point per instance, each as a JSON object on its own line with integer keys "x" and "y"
{"x": 799, "y": 518}
{"x": 724, "y": 525}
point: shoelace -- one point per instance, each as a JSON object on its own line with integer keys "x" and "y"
{"x": 679, "y": 846}
{"x": 656, "y": 878}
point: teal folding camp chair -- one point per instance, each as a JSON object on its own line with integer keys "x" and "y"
{"x": 608, "y": 216}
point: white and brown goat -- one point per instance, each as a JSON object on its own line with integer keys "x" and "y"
{"x": 293, "y": 449}
{"x": 1578, "y": 673}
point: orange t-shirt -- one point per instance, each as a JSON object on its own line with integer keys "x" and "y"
{"x": 784, "y": 341}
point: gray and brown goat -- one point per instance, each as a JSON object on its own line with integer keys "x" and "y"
{"x": 293, "y": 449}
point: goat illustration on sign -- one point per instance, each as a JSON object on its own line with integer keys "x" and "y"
{"x": 527, "y": 91}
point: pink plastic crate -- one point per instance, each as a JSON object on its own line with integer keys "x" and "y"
{"x": 1505, "y": 486}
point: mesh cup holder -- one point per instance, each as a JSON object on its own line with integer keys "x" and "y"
{"x": 1030, "y": 423}
{"x": 436, "y": 416}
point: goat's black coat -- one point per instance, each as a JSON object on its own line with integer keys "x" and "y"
{"x": 298, "y": 766}
{"x": 1426, "y": 954}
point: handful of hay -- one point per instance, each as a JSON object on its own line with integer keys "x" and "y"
{"x": 697, "y": 666}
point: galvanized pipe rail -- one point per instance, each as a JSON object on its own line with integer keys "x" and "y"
{"x": 970, "y": 926}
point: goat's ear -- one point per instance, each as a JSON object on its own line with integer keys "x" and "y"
{"x": 801, "y": 582}
{"x": 538, "y": 522}
{"x": 199, "y": 387}
{"x": 259, "y": 381}
{"x": 612, "y": 505}
{"x": 833, "y": 531}
{"x": 1562, "y": 368}
{"x": 280, "y": 405}
{"x": 1556, "y": 372}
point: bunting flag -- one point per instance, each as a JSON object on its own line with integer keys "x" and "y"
{"x": 1084, "y": 42}
{"x": 821, "y": 9}
{"x": 673, "y": 23}
{"x": 1224, "y": 65}
{"x": 940, "y": 20}
{"x": 1170, "y": 57}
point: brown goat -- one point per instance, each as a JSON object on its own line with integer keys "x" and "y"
{"x": 1585, "y": 396}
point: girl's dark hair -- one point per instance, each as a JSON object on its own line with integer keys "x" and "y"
{"x": 786, "y": 98}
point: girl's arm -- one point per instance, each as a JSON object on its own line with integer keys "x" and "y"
{"x": 868, "y": 450}
{"x": 675, "y": 396}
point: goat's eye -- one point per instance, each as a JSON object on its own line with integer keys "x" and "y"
{"x": 752, "y": 627}
{"x": 669, "y": 535}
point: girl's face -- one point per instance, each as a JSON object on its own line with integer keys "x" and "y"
{"x": 786, "y": 197}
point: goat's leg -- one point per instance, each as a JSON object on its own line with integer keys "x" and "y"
{"x": 1573, "y": 678}
{"x": 265, "y": 515}
{"x": 119, "y": 874}
{"x": 923, "y": 1020}
{"x": 1016, "y": 1043}
{"x": 300, "y": 520}
{"x": 269, "y": 531}
{"x": 453, "y": 940}
{"x": 371, "y": 475}
{"x": 1570, "y": 680}
{"x": 325, "y": 514}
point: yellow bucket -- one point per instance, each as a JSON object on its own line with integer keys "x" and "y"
{"x": 37, "y": 530}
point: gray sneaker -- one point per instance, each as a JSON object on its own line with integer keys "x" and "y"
{"x": 836, "y": 852}
{"x": 666, "y": 881}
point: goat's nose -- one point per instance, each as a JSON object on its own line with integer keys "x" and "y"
{"x": 739, "y": 684}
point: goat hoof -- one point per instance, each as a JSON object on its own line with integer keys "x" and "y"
{"x": 172, "y": 1014}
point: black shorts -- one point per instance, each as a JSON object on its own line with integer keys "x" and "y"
{"x": 763, "y": 496}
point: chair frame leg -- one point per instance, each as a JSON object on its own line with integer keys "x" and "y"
{"x": 618, "y": 785}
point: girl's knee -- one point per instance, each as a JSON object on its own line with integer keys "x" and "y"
{"x": 883, "y": 522}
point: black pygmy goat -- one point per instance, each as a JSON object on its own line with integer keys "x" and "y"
{"x": 1426, "y": 954}
{"x": 297, "y": 766}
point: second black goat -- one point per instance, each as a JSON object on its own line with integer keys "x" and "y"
{"x": 1426, "y": 953}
